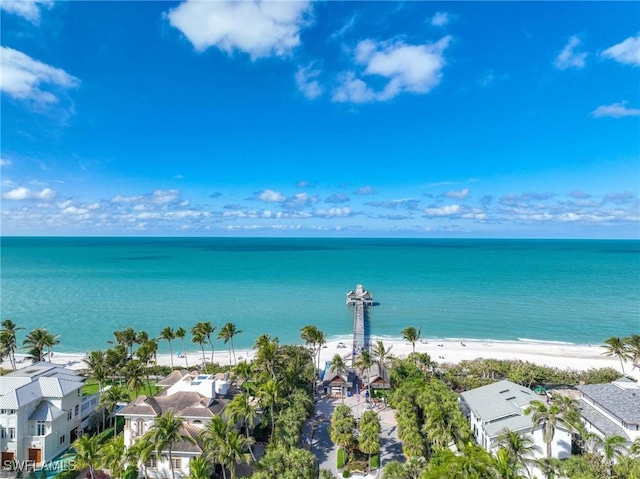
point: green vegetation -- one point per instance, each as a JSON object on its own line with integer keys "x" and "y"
{"x": 342, "y": 458}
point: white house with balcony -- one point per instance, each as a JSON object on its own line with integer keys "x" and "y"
{"x": 493, "y": 408}
{"x": 196, "y": 398}
{"x": 611, "y": 409}
{"x": 40, "y": 413}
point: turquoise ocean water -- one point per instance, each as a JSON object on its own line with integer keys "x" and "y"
{"x": 579, "y": 291}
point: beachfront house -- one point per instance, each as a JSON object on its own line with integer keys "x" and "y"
{"x": 611, "y": 409}
{"x": 196, "y": 398}
{"x": 40, "y": 413}
{"x": 339, "y": 384}
{"x": 493, "y": 408}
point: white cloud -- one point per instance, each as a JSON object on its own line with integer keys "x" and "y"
{"x": 270, "y": 196}
{"x": 440, "y": 19}
{"x": 568, "y": 57}
{"x": 22, "y": 77}
{"x": 407, "y": 68}
{"x": 447, "y": 210}
{"x": 365, "y": 190}
{"x": 334, "y": 212}
{"x": 28, "y": 9}
{"x": 5, "y": 162}
{"x": 306, "y": 79}
{"x": 258, "y": 28}
{"x": 627, "y": 51}
{"x": 22, "y": 193}
{"x": 464, "y": 193}
{"x": 615, "y": 110}
{"x": 161, "y": 197}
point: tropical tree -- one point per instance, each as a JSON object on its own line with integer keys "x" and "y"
{"x": 37, "y": 340}
{"x": 369, "y": 437}
{"x": 519, "y": 447}
{"x": 200, "y": 468}
{"x": 8, "y": 340}
{"x": 109, "y": 400}
{"x": 412, "y": 335}
{"x": 134, "y": 373}
{"x": 87, "y": 453}
{"x": 316, "y": 339}
{"x": 633, "y": 349}
{"x": 180, "y": 334}
{"x": 382, "y": 355}
{"x": 616, "y": 346}
{"x": 547, "y": 417}
{"x": 168, "y": 334}
{"x": 343, "y": 425}
{"x": 140, "y": 451}
{"x": 205, "y": 329}
{"x": 127, "y": 338}
{"x": 339, "y": 365}
{"x": 212, "y": 437}
{"x": 269, "y": 395}
{"x": 613, "y": 447}
{"x": 268, "y": 354}
{"x": 198, "y": 338}
{"x": 232, "y": 451}
{"x": 227, "y": 332}
{"x": 165, "y": 432}
{"x": 112, "y": 456}
{"x": 241, "y": 409}
{"x": 363, "y": 362}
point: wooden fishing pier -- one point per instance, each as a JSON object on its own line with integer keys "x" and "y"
{"x": 360, "y": 299}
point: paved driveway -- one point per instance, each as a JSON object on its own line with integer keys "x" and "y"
{"x": 324, "y": 449}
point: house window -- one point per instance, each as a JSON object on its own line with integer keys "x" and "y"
{"x": 76, "y": 410}
{"x": 63, "y": 439}
{"x": 151, "y": 462}
{"x": 69, "y": 415}
{"x": 3, "y": 433}
{"x": 40, "y": 428}
{"x": 139, "y": 427}
{"x": 176, "y": 463}
{"x": 12, "y": 433}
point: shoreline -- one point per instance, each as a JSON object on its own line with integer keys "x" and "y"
{"x": 556, "y": 354}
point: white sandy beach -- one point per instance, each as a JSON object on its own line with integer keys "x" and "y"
{"x": 560, "y": 355}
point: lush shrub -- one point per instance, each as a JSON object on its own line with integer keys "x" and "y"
{"x": 130, "y": 472}
{"x": 66, "y": 474}
{"x": 346, "y": 473}
{"x": 375, "y": 461}
{"x": 342, "y": 458}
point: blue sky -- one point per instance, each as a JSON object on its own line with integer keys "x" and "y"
{"x": 221, "y": 118}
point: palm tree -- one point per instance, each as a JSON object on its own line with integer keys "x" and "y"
{"x": 616, "y": 346}
{"x": 268, "y": 353}
{"x": 342, "y": 427}
{"x": 180, "y": 334}
{"x": 633, "y": 348}
{"x": 369, "y": 437}
{"x": 227, "y": 333}
{"x": 363, "y": 362}
{"x": 145, "y": 353}
{"x": 127, "y": 337}
{"x": 87, "y": 452}
{"x": 269, "y": 396}
{"x": 613, "y": 447}
{"x": 547, "y": 417}
{"x": 9, "y": 341}
{"x": 168, "y": 334}
{"x": 199, "y": 338}
{"x": 339, "y": 365}
{"x": 164, "y": 433}
{"x": 109, "y": 400}
{"x": 37, "y": 340}
{"x": 115, "y": 360}
{"x": 382, "y": 355}
{"x": 240, "y": 409}
{"x": 205, "y": 329}
{"x": 133, "y": 374}
{"x": 112, "y": 456}
{"x": 519, "y": 446}
{"x": 311, "y": 334}
{"x": 140, "y": 451}
{"x": 200, "y": 468}
{"x": 212, "y": 437}
{"x": 232, "y": 451}
{"x": 412, "y": 335}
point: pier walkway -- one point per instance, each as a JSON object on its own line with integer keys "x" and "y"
{"x": 360, "y": 299}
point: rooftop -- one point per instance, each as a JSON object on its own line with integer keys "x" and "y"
{"x": 619, "y": 398}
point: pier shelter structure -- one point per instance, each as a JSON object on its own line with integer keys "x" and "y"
{"x": 360, "y": 299}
